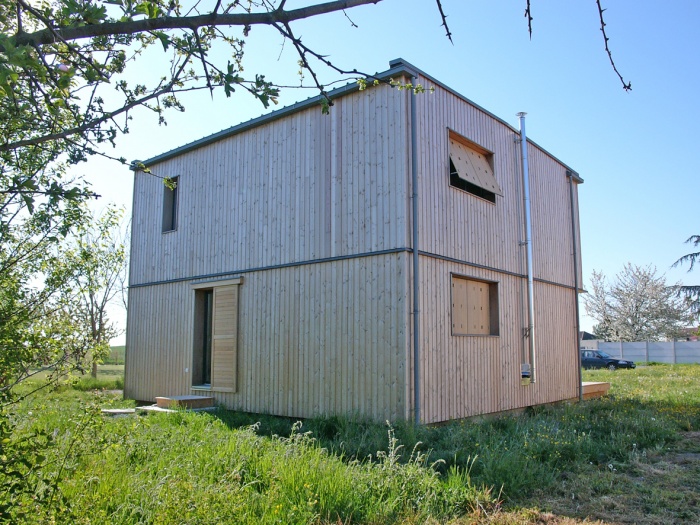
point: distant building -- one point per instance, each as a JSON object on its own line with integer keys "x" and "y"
{"x": 588, "y": 341}
{"x": 691, "y": 334}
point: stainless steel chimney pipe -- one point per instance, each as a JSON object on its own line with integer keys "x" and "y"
{"x": 530, "y": 332}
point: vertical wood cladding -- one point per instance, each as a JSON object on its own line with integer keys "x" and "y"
{"x": 316, "y": 339}
{"x": 459, "y": 225}
{"x": 467, "y": 375}
{"x": 304, "y": 187}
{"x": 335, "y": 336}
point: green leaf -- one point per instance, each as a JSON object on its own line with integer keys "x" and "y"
{"x": 150, "y": 9}
{"x": 28, "y": 201}
{"x": 164, "y": 39}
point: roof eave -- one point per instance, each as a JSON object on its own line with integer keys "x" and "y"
{"x": 398, "y": 68}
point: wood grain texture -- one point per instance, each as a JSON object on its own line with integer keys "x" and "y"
{"x": 319, "y": 336}
{"x": 319, "y": 339}
{"x": 469, "y": 375}
{"x": 464, "y": 227}
{"x": 224, "y": 368}
{"x": 306, "y": 187}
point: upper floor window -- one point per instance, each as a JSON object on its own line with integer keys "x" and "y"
{"x": 170, "y": 198}
{"x": 471, "y": 169}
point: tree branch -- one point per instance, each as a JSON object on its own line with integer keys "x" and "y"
{"x": 528, "y": 15}
{"x": 93, "y": 123}
{"x": 448, "y": 33}
{"x": 200, "y": 49}
{"x": 627, "y": 86}
{"x": 690, "y": 258}
{"x": 56, "y": 34}
{"x": 51, "y": 35}
{"x": 301, "y": 50}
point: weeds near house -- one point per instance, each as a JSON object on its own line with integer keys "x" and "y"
{"x": 582, "y": 460}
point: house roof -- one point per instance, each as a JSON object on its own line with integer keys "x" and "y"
{"x": 397, "y": 67}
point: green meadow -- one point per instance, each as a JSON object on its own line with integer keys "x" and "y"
{"x": 631, "y": 457}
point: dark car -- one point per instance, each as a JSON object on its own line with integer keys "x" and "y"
{"x": 598, "y": 359}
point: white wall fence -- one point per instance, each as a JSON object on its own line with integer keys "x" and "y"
{"x": 660, "y": 352}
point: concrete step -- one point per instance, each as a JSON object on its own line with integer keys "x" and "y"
{"x": 187, "y": 402}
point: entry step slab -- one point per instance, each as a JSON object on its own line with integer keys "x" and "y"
{"x": 116, "y": 412}
{"x": 186, "y": 402}
{"x": 156, "y": 408}
{"x": 592, "y": 389}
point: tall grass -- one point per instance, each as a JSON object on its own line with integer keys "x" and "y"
{"x": 86, "y": 383}
{"x": 230, "y": 467}
{"x": 192, "y": 468}
{"x": 522, "y": 454}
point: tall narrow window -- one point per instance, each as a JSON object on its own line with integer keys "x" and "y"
{"x": 207, "y": 336}
{"x": 471, "y": 170}
{"x": 474, "y": 307}
{"x": 170, "y": 198}
{"x": 215, "y": 355}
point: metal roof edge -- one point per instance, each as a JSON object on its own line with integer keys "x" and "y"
{"x": 493, "y": 116}
{"x": 397, "y": 67}
{"x": 577, "y": 178}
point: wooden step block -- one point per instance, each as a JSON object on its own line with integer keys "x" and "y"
{"x": 592, "y": 390}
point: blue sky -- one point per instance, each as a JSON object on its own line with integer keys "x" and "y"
{"x": 636, "y": 151}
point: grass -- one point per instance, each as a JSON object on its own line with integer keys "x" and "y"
{"x": 109, "y": 377}
{"x": 116, "y": 355}
{"x": 632, "y": 457}
{"x": 87, "y": 383}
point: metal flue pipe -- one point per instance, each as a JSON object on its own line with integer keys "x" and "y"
{"x": 570, "y": 176}
{"x": 416, "y": 280}
{"x": 530, "y": 331}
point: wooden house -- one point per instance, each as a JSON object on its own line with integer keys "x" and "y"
{"x": 371, "y": 261}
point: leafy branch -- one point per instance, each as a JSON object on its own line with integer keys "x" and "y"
{"x": 51, "y": 34}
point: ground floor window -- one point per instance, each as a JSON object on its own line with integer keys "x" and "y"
{"x": 215, "y": 345}
{"x": 474, "y": 306}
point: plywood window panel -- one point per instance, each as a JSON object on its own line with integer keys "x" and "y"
{"x": 459, "y": 306}
{"x": 170, "y": 199}
{"x": 478, "y": 308}
{"x": 470, "y": 169}
{"x": 474, "y": 307}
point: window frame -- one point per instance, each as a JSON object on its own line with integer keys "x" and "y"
{"x": 224, "y": 335}
{"x": 474, "y": 184}
{"x": 493, "y": 306}
{"x": 171, "y": 199}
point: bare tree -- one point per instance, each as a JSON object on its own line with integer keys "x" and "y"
{"x": 99, "y": 251}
